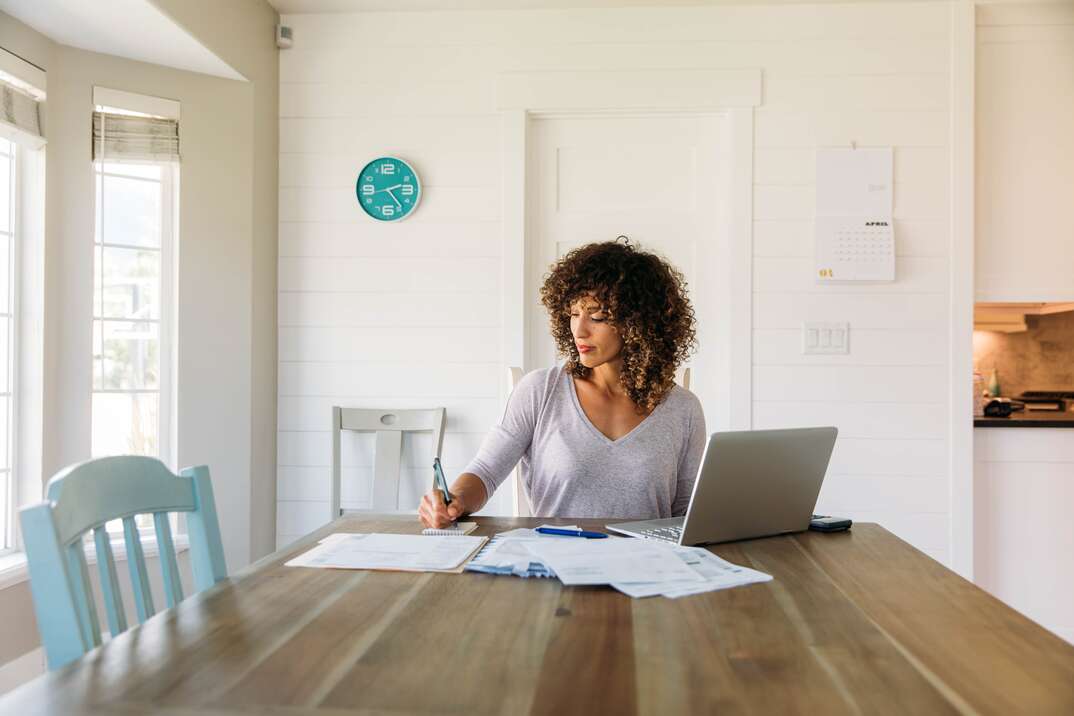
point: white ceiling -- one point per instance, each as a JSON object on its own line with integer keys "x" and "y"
{"x": 298, "y": 7}
{"x": 135, "y": 29}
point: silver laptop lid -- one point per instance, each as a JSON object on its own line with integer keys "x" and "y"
{"x": 754, "y": 483}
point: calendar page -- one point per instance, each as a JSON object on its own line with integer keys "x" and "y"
{"x": 855, "y": 249}
{"x": 855, "y": 238}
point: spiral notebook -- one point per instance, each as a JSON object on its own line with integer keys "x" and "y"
{"x": 461, "y": 528}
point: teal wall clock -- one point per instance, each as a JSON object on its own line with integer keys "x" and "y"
{"x": 388, "y": 189}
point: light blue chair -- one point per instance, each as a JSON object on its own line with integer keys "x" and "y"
{"x": 84, "y": 497}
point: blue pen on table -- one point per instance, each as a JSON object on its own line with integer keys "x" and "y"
{"x": 571, "y": 533}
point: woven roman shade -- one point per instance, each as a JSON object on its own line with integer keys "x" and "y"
{"x": 20, "y": 114}
{"x": 127, "y": 137}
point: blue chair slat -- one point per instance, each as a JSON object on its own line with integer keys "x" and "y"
{"x": 87, "y": 606}
{"x": 84, "y": 497}
{"x": 106, "y": 566}
{"x": 203, "y": 528}
{"x": 52, "y": 587}
{"x": 169, "y": 568}
{"x": 143, "y": 597}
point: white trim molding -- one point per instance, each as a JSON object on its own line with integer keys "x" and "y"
{"x": 960, "y": 455}
{"x": 618, "y": 91}
{"x": 142, "y": 103}
{"x": 13, "y": 567}
{"x": 28, "y": 77}
{"x": 515, "y": 131}
{"x": 21, "y": 669}
{"x": 738, "y": 225}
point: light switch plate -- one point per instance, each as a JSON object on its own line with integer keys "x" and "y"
{"x": 825, "y": 338}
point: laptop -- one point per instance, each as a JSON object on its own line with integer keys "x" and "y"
{"x": 751, "y": 483}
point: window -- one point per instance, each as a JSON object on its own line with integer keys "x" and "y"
{"x": 132, "y": 300}
{"x": 8, "y": 337}
{"x": 136, "y": 173}
{"x": 22, "y": 241}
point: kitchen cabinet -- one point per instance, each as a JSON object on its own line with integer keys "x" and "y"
{"x": 1023, "y": 534}
{"x": 1024, "y": 226}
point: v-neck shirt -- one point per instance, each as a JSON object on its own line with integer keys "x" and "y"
{"x": 571, "y": 469}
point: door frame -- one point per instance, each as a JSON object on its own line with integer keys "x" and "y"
{"x": 729, "y": 96}
{"x": 963, "y": 34}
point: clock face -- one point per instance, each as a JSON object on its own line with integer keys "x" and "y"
{"x": 388, "y": 189}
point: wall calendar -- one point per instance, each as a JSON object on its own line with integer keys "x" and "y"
{"x": 854, "y": 229}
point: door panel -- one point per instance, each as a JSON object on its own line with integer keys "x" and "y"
{"x": 652, "y": 178}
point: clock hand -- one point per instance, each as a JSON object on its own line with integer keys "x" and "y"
{"x": 393, "y": 196}
{"x": 388, "y": 189}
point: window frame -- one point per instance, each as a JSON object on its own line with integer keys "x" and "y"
{"x": 166, "y": 322}
{"x": 10, "y": 540}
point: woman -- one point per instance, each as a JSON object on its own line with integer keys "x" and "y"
{"x": 607, "y": 434}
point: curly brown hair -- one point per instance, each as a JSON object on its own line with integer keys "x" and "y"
{"x": 645, "y": 299}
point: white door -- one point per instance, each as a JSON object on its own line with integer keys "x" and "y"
{"x": 656, "y": 179}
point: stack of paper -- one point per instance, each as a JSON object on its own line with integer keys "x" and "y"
{"x": 715, "y": 574}
{"x": 412, "y": 553}
{"x": 509, "y": 553}
{"x": 638, "y": 568}
{"x": 610, "y": 561}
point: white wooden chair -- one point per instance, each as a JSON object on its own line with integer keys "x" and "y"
{"x": 521, "y": 502}
{"x": 389, "y": 425}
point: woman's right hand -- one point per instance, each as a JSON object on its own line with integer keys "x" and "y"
{"x": 434, "y": 513}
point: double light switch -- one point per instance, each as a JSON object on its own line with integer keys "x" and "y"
{"x": 825, "y": 338}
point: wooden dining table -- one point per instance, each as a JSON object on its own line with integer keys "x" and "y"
{"x": 853, "y": 622}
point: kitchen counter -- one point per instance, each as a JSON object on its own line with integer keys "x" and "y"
{"x": 1029, "y": 419}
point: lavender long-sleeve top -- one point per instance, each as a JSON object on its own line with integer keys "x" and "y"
{"x": 571, "y": 469}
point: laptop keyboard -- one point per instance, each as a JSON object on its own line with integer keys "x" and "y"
{"x": 668, "y": 534}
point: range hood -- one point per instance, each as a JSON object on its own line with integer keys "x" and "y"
{"x": 1011, "y": 317}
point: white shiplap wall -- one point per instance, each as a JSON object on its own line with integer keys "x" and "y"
{"x": 409, "y": 314}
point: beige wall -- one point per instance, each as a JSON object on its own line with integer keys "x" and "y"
{"x": 227, "y": 266}
{"x": 23, "y": 41}
{"x": 242, "y": 33}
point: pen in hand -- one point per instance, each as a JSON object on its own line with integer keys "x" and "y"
{"x": 443, "y": 507}
{"x": 440, "y": 482}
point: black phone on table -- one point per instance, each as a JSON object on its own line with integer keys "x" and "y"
{"x": 827, "y": 523}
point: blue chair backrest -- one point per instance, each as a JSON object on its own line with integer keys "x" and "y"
{"x": 84, "y": 497}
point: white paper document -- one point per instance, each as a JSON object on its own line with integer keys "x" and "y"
{"x": 716, "y": 574}
{"x": 508, "y": 554}
{"x": 608, "y": 561}
{"x": 389, "y": 551}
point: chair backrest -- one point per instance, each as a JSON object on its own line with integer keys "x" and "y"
{"x": 84, "y": 497}
{"x": 521, "y": 502}
{"x": 389, "y": 425}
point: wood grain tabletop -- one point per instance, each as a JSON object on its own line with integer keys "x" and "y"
{"x": 854, "y": 622}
